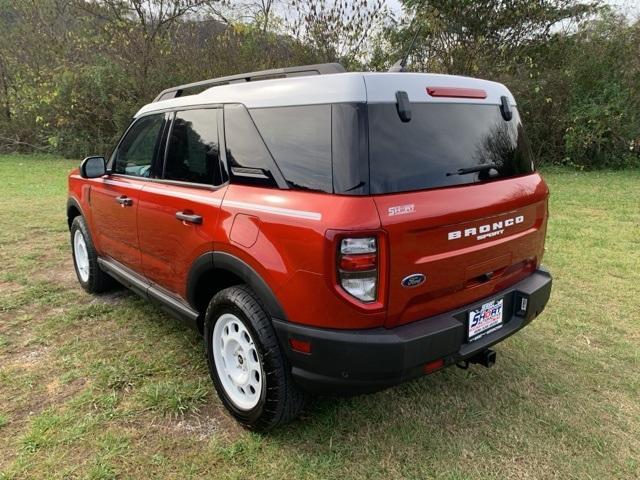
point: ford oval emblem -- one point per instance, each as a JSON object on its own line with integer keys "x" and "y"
{"x": 413, "y": 280}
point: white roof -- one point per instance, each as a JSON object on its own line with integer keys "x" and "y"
{"x": 336, "y": 88}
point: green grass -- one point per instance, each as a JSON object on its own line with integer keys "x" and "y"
{"x": 175, "y": 396}
{"x": 109, "y": 387}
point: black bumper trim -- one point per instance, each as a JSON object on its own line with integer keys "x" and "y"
{"x": 353, "y": 361}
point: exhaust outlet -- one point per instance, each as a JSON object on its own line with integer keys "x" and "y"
{"x": 486, "y": 358}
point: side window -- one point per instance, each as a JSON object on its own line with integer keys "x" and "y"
{"x": 193, "y": 153}
{"x": 135, "y": 154}
{"x": 250, "y": 162}
{"x": 299, "y": 139}
{"x": 350, "y": 148}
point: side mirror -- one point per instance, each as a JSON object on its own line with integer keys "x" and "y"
{"x": 93, "y": 167}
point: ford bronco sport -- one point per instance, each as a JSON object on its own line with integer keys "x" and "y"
{"x": 326, "y": 232}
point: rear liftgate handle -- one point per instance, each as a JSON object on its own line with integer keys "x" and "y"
{"x": 189, "y": 217}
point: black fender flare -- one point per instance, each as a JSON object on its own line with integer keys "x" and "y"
{"x": 73, "y": 203}
{"x": 224, "y": 261}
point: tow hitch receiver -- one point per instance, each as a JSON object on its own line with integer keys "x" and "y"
{"x": 486, "y": 358}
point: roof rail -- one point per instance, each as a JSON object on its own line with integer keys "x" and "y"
{"x": 319, "y": 69}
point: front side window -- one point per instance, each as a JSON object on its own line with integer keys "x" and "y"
{"x": 137, "y": 150}
{"x": 193, "y": 153}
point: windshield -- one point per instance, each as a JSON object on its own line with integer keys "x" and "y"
{"x": 444, "y": 144}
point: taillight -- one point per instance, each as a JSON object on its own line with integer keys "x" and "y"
{"x": 358, "y": 267}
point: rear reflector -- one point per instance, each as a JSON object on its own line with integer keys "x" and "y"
{"x": 433, "y": 366}
{"x": 366, "y": 261}
{"x": 300, "y": 345}
{"x": 456, "y": 92}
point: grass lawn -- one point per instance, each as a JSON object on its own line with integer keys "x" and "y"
{"x": 109, "y": 387}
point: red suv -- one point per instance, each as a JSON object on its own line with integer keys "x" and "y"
{"x": 327, "y": 232}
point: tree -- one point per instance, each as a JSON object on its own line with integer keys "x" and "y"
{"x": 603, "y": 128}
{"x": 139, "y": 31}
{"x": 338, "y": 30}
{"x": 468, "y": 37}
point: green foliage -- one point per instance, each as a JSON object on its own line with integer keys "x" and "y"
{"x": 486, "y": 36}
{"x": 604, "y": 117}
{"x": 73, "y": 73}
{"x": 87, "y": 107}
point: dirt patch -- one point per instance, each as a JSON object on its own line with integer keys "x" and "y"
{"x": 211, "y": 421}
{"x": 31, "y": 358}
{"x": 60, "y": 392}
{"x": 54, "y": 393}
{"x": 10, "y": 288}
{"x": 113, "y": 297}
{"x": 60, "y": 273}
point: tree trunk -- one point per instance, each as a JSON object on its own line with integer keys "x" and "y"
{"x": 4, "y": 85}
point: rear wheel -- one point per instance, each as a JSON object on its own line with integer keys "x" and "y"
{"x": 85, "y": 259}
{"x": 247, "y": 366}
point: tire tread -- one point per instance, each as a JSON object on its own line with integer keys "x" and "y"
{"x": 284, "y": 400}
{"x": 99, "y": 281}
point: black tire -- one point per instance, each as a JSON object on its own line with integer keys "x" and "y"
{"x": 280, "y": 400}
{"x": 97, "y": 281}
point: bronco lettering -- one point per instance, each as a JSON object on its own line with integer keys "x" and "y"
{"x": 486, "y": 231}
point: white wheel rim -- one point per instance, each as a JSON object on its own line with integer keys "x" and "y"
{"x": 81, "y": 255}
{"x": 237, "y": 361}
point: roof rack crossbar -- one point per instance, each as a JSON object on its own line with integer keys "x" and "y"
{"x": 319, "y": 69}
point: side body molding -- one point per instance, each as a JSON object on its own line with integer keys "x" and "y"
{"x": 225, "y": 261}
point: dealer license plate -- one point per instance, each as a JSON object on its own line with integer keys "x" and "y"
{"x": 485, "y": 320}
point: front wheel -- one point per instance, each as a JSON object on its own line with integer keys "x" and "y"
{"x": 85, "y": 259}
{"x": 247, "y": 366}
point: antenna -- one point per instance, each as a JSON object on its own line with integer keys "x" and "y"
{"x": 400, "y": 64}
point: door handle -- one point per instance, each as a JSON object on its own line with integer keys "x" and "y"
{"x": 189, "y": 217}
{"x": 124, "y": 201}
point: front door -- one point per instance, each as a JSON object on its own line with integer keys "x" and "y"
{"x": 114, "y": 198}
{"x": 178, "y": 214}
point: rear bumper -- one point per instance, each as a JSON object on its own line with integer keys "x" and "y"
{"x": 358, "y": 361}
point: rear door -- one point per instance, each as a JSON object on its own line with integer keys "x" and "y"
{"x": 457, "y": 194}
{"x": 178, "y": 213}
{"x": 114, "y": 198}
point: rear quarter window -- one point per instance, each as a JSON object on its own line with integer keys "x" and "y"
{"x": 250, "y": 162}
{"x": 299, "y": 138}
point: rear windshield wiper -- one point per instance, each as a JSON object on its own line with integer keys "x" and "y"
{"x": 477, "y": 168}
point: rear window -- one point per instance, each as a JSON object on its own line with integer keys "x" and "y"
{"x": 439, "y": 143}
{"x": 193, "y": 153}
